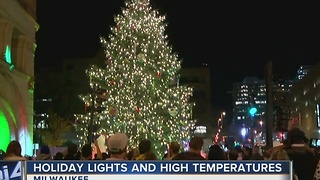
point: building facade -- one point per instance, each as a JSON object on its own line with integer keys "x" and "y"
{"x": 302, "y": 71}
{"x": 306, "y": 100}
{"x": 18, "y": 27}
{"x": 249, "y": 105}
{"x": 199, "y": 79}
{"x": 251, "y": 92}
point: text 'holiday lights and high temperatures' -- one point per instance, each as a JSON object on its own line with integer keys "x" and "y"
{"x": 157, "y": 167}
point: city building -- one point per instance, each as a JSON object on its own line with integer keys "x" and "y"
{"x": 67, "y": 82}
{"x": 199, "y": 79}
{"x": 251, "y": 94}
{"x": 249, "y": 105}
{"x": 18, "y": 27}
{"x": 306, "y": 100}
{"x": 302, "y": 71}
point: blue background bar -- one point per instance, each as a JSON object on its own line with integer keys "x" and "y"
{"x": 158, "y": 167}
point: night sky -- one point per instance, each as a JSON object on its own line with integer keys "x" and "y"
{"x": 234, "y": 39}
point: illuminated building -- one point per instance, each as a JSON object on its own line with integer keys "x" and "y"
{"x": 18, "y": 27}
{"x": 250, "y": 92}
{"x": 306, "y": 100}
{"x": 302, "y": 71}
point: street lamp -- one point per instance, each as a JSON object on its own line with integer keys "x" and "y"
{"x": 261, "y": 123}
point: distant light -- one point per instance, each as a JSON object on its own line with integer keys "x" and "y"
{"x": 243, "y": 132}
{"x": 253, "y": 111}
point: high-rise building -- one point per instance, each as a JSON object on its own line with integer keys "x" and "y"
{"x": 302, "y": 71}
{"x": 251, "y": 92}
{"x": 18, "y": 28}
{"x": 306, "y": 102}
{"x": 249, "y": 105}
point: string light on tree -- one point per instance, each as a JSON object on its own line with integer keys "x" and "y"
{"x": 140, "y": 98}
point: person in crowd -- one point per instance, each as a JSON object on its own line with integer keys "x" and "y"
{"x": 239, "y": 151}
{"x": 173, "y": 150}
{"x": 44, "y": 153}
{"x": 194, "y": 153}
{"x": 133, "y": 153}
{"x": 72, "y": 152}
{"x": 299, "y": 152}
{"x": 246, "y": 153}
{"x": 256, "y": 154}
{"x": 117, "y": 146}
{"x": 233, "y": 154}
{"x": 196, "y": 145}
{"x": 145, "y": 150}
{"x": 216, "y": 153}
{"x": 281, "y": 154}
{"x": 58, "y": 156}
{"x": 13, "y": 152}
{"x": 188, "y": 156}
{"x": 151, "y": 156}
{"x": 86, "y": 152}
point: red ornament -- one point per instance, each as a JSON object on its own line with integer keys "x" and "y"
{"x": 112, "y": 82}
{"x": 113, "y": 111}
{"x": 158, "y": 74}
{"x": 137, "y": 109}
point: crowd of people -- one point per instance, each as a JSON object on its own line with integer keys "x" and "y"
{"x": 306, "y": 164}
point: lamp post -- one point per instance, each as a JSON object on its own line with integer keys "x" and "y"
{"x": 220, "y": 126}
{"x": 221, "y": 120}
{"x": 269, "y": 107}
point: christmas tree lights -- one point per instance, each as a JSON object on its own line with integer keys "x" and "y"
{"x": 137, "y": 93}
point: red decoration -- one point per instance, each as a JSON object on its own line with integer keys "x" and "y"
{"x": 137, "y": 109}
{"x": 158, "y": 74}
{"x": 112, "y": 82}
{"x": 113, "y": 111}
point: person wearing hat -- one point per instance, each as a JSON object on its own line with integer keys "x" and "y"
{"x": 117, "y": 146}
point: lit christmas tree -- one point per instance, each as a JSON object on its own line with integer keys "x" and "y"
{"x": 138, "y": 91}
